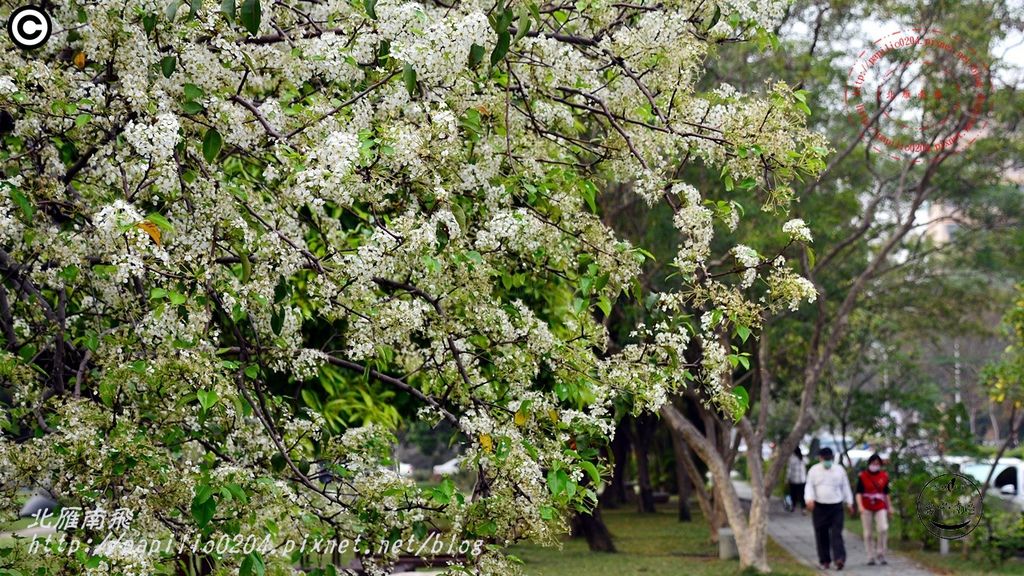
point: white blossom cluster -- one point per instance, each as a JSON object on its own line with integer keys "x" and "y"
{"x": 748, "y": 259}
{"x": 797, "y": 230}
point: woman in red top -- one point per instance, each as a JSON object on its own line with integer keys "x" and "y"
{"x": 873, "y": 503}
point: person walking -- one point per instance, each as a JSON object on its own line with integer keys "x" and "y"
{"x": 873, "y": 503}
{"x": 796, "y": 473}
{"x": 827, "y": 489}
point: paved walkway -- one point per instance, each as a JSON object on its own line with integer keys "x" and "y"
{"x": 795, "y": 533}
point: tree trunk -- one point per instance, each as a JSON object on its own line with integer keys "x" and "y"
{"x": 615, "y": 493}
{"x": 751, "y": 535}
{"x": 704, "y": 498}
{"x": 683, "y": 483}
{"x": 756, "y": 553}
{"x": 644, "y": 434}
{"x": 592, "y": 527}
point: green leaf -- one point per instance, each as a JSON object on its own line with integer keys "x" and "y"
{"x": 409, "y": 77}
{"x": 212, "y": 143}
{"x": 523, "y": 26}
{"x": 91, "y": 341}
{"x": 252, "y": 565}
{"x": 227, "y": 7}
{"x": 714, "y": 18}
{"x": 203, "y": 493}
{"x": 160, "y": 221}
{"x": 590, "y": 195}
{"x": 501, "y": 48}
{"x": 605, "y": 305}
{"x": 104, "y": 270}
{"x": 172, "y": 9}
{"x": 238, "y": 492}
{"x": 252, "y": 371}
{"x": 107, "y": 392}
{"x": 590, "y": 469}
{"x": 203, "y": 506}
{"x": 743, "y": 332}
{"x": 371, "y": 8}
{"x": 192, "y": 107}
{"x": 743, "y": 399}
{"x": 559, "y": 482}
{"x": 27, "y": 209}
{"x": 207, "y": 398}
{"x": 251, "y": 15}
{"x": 488, "y": 528}
{"x": 167, "y": 65}
{"x": 194, "y": 6}
{"x": 177, "y": 298}
{"x": 476, "y": 55}
{"x": 193, "y": 92}
{"x": 243, "y": 258}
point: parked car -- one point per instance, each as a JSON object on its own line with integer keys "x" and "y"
{"x": 855, "y": 453}
{"x": 1006, "y": 481}
{"x": 448, "y": 468}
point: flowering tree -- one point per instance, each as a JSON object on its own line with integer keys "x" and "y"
{"x": 206, "y": 207}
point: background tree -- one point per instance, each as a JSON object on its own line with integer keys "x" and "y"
{"x": 886, "y": 193}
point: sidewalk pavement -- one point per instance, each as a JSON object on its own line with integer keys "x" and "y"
{"x": 795, "y": 533}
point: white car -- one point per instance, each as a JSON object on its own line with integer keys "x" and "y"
{"x": 448, "y": 468}
{"x": 856, "y": 454}
{"x": 1006, "y": 481}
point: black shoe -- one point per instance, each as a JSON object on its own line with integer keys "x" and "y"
{"x": 871, "y": 562}
{"x": 825, "y": 565}
{"x": 840, "y": 564}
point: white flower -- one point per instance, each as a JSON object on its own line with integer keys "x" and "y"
{"x": 797, "y": 230}
{"x": 748, "y": 259}
{"x": 154, "y": 140}
{"x": 7, "y": 86}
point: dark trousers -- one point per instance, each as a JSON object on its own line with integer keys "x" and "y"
{"x": 828, "y": 532}
{"x": 796, "y": 494}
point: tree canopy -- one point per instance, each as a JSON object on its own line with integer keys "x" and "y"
{"x": 210, "y": 210}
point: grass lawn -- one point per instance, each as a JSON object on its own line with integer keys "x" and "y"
{"x": 648, "y": 545}
{"x": 953, "y": 563}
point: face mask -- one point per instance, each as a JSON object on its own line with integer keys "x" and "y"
{"x": 874, "y": 468}
{"x": 827, "y": 464}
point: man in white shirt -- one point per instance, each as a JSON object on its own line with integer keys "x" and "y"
{"x": 827, "y": 489}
